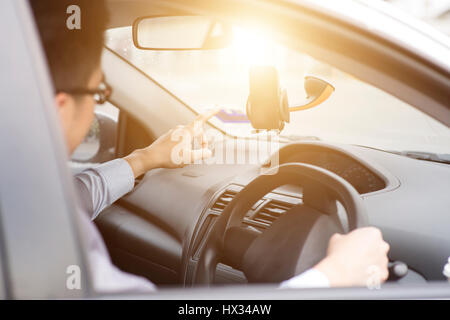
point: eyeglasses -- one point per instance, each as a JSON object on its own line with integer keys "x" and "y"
{"x": 100, "y": 95}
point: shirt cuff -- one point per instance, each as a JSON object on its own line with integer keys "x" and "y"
{"x": 311, "y": 278}
{"x": 119, "y": 177}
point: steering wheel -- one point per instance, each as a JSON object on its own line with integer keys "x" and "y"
{"x": 296, "y": 241}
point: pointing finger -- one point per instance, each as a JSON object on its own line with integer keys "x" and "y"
{"x": 201, "y": 119}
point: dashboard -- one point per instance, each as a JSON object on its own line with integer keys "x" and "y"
{"x": 360, "y": 175}
{"x": 157, "y": 230}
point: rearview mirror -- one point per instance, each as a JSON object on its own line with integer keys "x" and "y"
{"x": 181, "y": 33}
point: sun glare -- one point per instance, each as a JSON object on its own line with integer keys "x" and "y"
{"x": 252, "y": 47}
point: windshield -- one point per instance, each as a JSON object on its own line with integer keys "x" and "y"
{"x": 356, "y": 113}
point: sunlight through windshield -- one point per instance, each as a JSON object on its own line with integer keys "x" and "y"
{"x": 356, "y": 113}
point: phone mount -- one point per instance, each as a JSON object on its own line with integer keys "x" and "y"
{"x": 267, "y": 104}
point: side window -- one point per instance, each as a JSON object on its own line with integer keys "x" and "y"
{"x": 100, "y": 143}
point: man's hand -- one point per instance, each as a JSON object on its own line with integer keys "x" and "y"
{"x": 174, "y": 148}
{"x": 355, "y": 257}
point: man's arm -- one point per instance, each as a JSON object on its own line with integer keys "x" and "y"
{"x": 102, "y": 185}
{"x": 174, "y": 148}
{"x": 311, "y": 278}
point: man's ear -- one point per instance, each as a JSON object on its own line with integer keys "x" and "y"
{"x": 61, "y": 99}
{"x": 65, "y": 108}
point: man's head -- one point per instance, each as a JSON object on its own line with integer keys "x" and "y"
{"x": 73, "y": 57}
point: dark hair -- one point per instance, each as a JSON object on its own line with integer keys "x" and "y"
{"x": 72, "y": 55}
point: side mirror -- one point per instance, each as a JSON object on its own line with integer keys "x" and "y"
{"x": 99, "y": 145}
{"x": 181, "y": 33}
{"x": 267, "y": 105}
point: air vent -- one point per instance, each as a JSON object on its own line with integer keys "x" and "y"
{"x": 223, "y": 200}
{"x": 272, "y": 211}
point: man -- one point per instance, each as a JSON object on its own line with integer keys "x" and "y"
{"x": 74, "y": 60}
